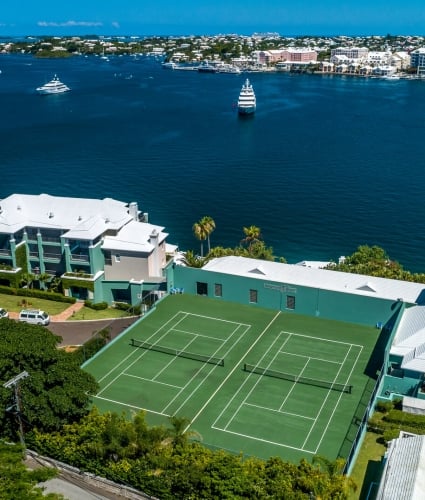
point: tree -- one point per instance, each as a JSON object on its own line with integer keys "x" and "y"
{"x": 27, "y": 280}
{"x": 56, "y": 390}
{"x": 252, "y": 235}
{"x": 200, "y": 232}
{"x": 17, "y": 481}
{"x": 209, "y": 226}
{"x": 192, "y": 260}
{"x": 373, "y": 261}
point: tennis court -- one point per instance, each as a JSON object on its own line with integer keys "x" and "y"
{"x": 250, "y": 380}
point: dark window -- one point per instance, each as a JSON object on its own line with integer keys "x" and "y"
{"x": 290, "y": 302}
{"x": 201, "y": 288}
{"x": 218, "y": 290}
{"x": 253, "y": 296}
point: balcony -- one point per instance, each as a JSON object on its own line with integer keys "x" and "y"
{"x": 79, "y": 258}
{"x": 52, "y": 256}
{"x": 5, "y": 252}
{"x": 78, "y": 275}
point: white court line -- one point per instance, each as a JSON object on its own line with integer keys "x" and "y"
{"x": 311, "y": 357}
{"x": 273, "y": 410}
{"x": 294, "y": 385}
{"x": 281, "y": 445}
{"x": 256, "y": 383}
{"x": 215, "y": 319}
{"x": 131, "y": 354}
{"x": 240, "y": 361}
{"x": 326, "y": 398}
{"x": 339, "y": 399}
{"x": 233, "y": 370}
{"x": 197, "y": 334}
{"x": 173, "y": 359}
{"x": 131, "y": 406}
{"x": 150, "y": 380}
{"x": 320, "y": 338}
{"x": 137, "y": 359}
{"x": 203, "y": 380}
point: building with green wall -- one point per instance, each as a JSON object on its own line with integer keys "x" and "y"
{"x": 103, "y": 250}
{"x": 397, "y": 308}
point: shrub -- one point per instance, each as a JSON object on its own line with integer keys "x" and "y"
{"x": 384, "y": 406}
{"x": 98, "y": 306}
{"x": 122, "y": 306}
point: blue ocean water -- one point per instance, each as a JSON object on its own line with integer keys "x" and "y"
{"x": 326, "y": 164}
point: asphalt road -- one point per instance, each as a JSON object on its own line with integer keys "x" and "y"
{"x": 78, "y": 332}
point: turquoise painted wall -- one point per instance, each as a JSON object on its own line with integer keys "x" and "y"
{"x": 97, "y": 259}
{"x": 395, "y": 385}
{"x": 365, "y": 310}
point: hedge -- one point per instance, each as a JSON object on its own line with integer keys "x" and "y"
{"x": 39, "y": 294}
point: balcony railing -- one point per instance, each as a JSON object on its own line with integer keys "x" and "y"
{"x": 79, "y": 258}
{"x": 80, "y": 275}
{"x": 5, "y": 252}
{"x": 52, "y": 256}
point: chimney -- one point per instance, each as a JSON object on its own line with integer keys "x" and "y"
{"x": 133, "y": 210}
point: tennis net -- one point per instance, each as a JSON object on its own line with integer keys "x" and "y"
{"x": 302, "y": 380}
{"x": 175, "y": 352}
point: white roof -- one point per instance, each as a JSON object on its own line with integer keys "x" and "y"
{"x": 404, "y": 473}
{"x": 134, "y": 237}
{"x": 84, "y": 218}
{"x": 356, "y": 284}
{"x": 409, "y": 340}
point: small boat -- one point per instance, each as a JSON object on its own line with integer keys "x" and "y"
{"x": 391, "y": 76}
{"x": 55, "y": 86}
{"x": 169, "y": 65}
{"x": 247, "y": 102}
{"x": 206, "y": 67}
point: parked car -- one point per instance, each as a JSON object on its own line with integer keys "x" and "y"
{"x": 3, "y": 313}
{"x": 34, "y": 317}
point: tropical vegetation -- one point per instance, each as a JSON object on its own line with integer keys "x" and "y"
{"x": 252, "y": 245}
{"x": 168, "y": 464}
{"x": 374, "y": 261}
{"x": 56, "y": 390}
{"x": 19, "y": 482}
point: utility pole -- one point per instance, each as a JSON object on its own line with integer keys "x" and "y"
{"x": 14, "y": 382}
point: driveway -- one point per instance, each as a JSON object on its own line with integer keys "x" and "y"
{"x": 78, "y": 332}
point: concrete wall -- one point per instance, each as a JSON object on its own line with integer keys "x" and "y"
{"x": 317, "y": 302}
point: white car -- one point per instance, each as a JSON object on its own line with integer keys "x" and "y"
{"x": 3, "y": 313}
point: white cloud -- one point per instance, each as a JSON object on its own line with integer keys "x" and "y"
{"x": 116, "y": 24}
{"x": 69, "y": 23}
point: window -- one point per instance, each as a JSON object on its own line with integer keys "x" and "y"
{"x": 117, "y": 257}
{"x": 218, "y": 290}
{"x": 253, "y": 296}
{"x": 290, "y": 302}
{"x": 201, "y": 288}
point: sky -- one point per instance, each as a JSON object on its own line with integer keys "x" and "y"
{"x": 206, "y": 17}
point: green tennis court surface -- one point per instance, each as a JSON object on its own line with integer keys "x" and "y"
{"x": 251, "y": 380}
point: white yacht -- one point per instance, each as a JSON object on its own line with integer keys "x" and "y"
{"x": 247, "y": 102}
{"x": 55, "y": 86}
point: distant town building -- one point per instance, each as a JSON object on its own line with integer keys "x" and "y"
{"x": 417, "y": 60}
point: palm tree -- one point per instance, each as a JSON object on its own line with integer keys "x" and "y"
{"x": 252, "y": 236}
{"x": 209, "y": 226}
{"x": 27, "y": 280}
{"x": 200, "y": 232}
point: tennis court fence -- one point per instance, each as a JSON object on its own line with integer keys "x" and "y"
{"x": 175, "y": 352}
{"x": 293, "y": 378}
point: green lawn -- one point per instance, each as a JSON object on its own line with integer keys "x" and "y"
{"x": 367, "y": 466}
{"x": 87, "y": 314}
{"x": 12, "y": 303}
